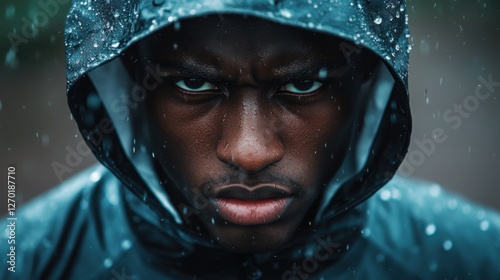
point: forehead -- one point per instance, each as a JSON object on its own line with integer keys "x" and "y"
{"x": 237, "y": 37}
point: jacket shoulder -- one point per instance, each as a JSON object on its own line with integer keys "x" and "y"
{"x": 431, "y": 231}
{"x": 50, "y": 229}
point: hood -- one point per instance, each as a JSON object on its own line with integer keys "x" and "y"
{"x": 98, "y": 87}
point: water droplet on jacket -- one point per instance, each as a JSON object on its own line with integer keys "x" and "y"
{"x": 126, "y": 244}
{"x": 435, "y": 191}
{"x": 447, "y": 245}
{"x": 95, "y": 176}
{"x": 484, "y": 225}
{"x": 108, "y": 263}
{"x": 286, "y": 13}
{"x": 115, "y": 44}
{"x": 385, "y": 194}
{"x": 378, "y": 20}
{"x": 213, "y": 221}
{"x": 430, "y": 229}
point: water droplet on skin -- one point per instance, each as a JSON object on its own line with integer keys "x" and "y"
{"x": 447, "y": 245}
{"x": 323, "y": 72}
{"x": 430, "y": 229}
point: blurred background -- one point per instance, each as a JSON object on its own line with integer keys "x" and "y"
{"x": 455, "y": 42}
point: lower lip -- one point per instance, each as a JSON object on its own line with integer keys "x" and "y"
{"x": 251, "y": 212}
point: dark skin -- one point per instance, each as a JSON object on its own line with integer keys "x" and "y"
{"x": 247, "y": 102}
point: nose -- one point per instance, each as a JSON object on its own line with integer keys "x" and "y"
{"x": 248, "y": 140}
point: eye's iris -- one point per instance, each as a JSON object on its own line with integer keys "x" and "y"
{"x": 304, "y": 86}
{"x": 195, "y": 84}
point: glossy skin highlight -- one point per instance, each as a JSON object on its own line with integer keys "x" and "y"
{"x": 249, "y": 112}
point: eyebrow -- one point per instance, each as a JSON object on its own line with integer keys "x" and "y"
{"x": 191, "y": 66}
{"x": 300, "y": 69}
{"x": 295, "y": 70}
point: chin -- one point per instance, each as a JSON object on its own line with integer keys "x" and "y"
{"x": 252, "y": 239}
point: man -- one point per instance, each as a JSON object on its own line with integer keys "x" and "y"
{"x": 246, "y": 140}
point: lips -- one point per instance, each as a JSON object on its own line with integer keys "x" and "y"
{"x": 243, "y": 205}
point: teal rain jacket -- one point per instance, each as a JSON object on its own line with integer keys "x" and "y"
{"x": 115, "y": 220}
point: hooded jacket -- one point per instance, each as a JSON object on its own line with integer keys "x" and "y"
{"x": 116, "y": 221}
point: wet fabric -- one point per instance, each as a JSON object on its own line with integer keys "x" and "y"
{"x": 116, "y": 221}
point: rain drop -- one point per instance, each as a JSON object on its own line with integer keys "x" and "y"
{"x": 11, "y": 58}
{"x": 323, "y": 72}
{"x": 10, "y": 11}
{"x": 108, "y": 263}
{"x": 385, "y": 195}
{"x": 430, "y": 229}
{"x": 484, "y": 225}
{"x": 126, "y": 244}
{"x": 95, "y": 176}
{"x": 177, "y": 26}
{"x": 286, "y": 13}
{"x": 447, "y": 245}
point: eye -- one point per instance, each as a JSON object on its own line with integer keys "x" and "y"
{"x": 301, "y": 87}
{"x": 195, "y": 84}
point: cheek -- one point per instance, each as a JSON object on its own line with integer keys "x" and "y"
{"x": 316, "y": 140}
{"x": 182, "y": 136}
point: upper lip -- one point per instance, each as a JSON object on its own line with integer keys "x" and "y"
{"x": 257, "y": 192}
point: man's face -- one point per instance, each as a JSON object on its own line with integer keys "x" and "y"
{"x": 249, "y": 124}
